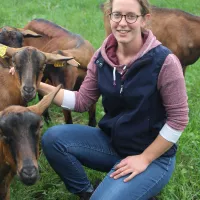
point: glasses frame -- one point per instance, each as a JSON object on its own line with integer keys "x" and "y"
{"x": 111, "y": 14}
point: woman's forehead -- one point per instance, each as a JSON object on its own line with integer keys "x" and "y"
{"x": 126, "y": 6}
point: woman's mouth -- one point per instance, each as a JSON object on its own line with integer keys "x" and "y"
{"x": 123, "y": 32}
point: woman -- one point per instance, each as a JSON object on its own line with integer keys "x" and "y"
{"x": 145, "y": 102}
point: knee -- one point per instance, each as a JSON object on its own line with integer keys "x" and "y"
{"x": 55, "y": 135}
{"x": 48, "y": 138}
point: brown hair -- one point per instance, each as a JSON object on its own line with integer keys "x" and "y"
{"x": 144, "y": 4}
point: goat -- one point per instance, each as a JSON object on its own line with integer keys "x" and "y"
{"x": 19, "y": 143}
{"x": 13, "y": 37}
{"x": 57, "y": 39}
{"x": 29, "y": 64}
{"x": 175, "y": 29}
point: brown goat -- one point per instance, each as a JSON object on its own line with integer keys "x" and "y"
{"x": 57, "y": 39}
{"x": 29, "y": 65}
{"x": 19, "y": 143}
{"x": 176, "y": 29}
{"x": 13, "y": 37}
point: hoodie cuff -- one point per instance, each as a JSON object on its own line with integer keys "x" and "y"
{"x": 170, "y": 134}
{"x": 68, "y": 100}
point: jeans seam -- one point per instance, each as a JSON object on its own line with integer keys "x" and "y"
{"x": 163, "y": 174}
{"x": 84, "y": 146}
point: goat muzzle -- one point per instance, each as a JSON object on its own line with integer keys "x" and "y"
{"x": 28, "y": 93}
{"x": 29, "y": 175}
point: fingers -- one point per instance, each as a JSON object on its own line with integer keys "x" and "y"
{"x": 132, "y": 175}
{"x": 123, "y": 173}
{"x": 118, "y": 171}
{"x": 131, "y": 166}
{"x": 121, "y": 164}
{"x": 12, "y": 71}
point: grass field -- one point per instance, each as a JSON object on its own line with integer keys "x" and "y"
{"x": 85, "y": 18}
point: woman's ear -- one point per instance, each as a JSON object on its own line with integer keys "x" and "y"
{"x": 146, "y": 20}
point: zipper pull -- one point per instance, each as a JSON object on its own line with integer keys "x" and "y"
{"x": 114, "y": 76}
{"x": 123, "y": 70}
{"x": 124, "y": 67}
{"x": 121, "y": 89}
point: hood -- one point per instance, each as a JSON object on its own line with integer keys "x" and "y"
{"x": 108, "y": 48}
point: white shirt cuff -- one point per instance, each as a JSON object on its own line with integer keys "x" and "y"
{"x": 68, "y": 100}
{"x": 170, "y": 134}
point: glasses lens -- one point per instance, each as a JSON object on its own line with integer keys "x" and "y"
{"x": 131, "y": 18}
{"x": 116, "y": 17}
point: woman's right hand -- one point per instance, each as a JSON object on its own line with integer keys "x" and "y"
{"x": 12, "y": 71}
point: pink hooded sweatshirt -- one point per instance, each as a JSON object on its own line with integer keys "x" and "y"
{"x": 171, "y": 85}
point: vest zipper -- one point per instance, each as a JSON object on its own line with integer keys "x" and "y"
{"x": 123, "y": 70}
{"x": 121, "y": 89}
{"x": 122, "y": 85}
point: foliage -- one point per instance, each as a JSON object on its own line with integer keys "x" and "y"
{"x": 85, "y": 18}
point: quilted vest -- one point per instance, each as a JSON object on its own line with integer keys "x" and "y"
{"x": 134, "y": 113}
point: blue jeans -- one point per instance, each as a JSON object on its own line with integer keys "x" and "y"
{"x": 69, "y": 147}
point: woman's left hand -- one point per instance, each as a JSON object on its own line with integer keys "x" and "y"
{"x": 132, "y": 165}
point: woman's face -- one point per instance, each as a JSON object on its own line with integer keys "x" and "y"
{"x": 125, "y": 32}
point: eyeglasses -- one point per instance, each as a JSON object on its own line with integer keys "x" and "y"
{"x": 130, "y": 17}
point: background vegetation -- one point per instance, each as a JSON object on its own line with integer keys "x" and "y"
{"x": 85, "y": 18}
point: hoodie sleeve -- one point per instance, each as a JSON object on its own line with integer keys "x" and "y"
{"x": 171, "y": 85}
{"x": 88, "y": 93}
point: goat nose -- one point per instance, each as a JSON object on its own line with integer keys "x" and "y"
{"x": 29, "y": 171}
{"x": 28, "y": 89}
{"x": 29, "y": 175}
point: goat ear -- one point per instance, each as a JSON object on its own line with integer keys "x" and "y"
{"x": 41, "y": 106}
{"x": 58, "y": 59}
{"x": 10, "y": 51}
{"x": 29, "y": 33}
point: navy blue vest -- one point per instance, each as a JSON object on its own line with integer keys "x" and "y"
{"x": 134, "y": 113}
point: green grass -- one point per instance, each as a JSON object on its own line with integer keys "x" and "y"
{"x": 85, "y": 18}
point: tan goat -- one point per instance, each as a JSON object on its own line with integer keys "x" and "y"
{"x": 19, "y": 143}
{"x": 60, "y": 40}
{"x": 29, "y": 64}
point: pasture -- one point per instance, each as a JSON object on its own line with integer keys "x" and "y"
{"x": 85, "y": 18}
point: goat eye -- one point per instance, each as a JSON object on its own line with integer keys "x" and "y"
{"x": 7, "y": 139}
{"x": 2, "y": 137}
{"x": 41, "y": 125}
{"x": 38, "y": 131}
